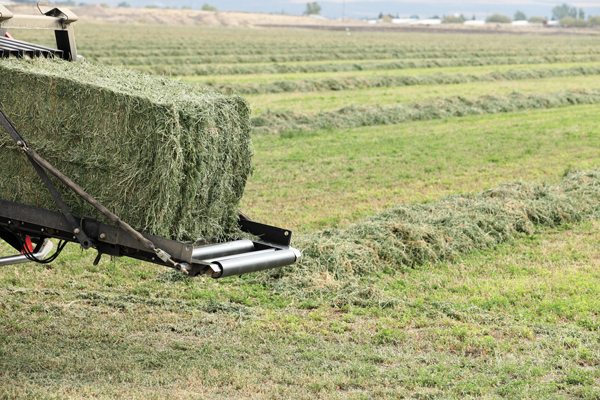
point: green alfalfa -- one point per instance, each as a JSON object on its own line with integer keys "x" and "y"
{"x": 271, "y": 122}
{"x": 366, "y": 82}
{"x": 288, "y": 68}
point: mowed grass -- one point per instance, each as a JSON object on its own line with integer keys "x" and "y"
{"x": 313, "y": 180}
{"x": 517, "y": 322}
{"x": 334, "y": 100}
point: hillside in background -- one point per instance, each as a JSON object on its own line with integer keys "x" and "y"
{"x": 127, "y": 15}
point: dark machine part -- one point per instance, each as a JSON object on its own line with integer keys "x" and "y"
{"x": 12, "y": 48}
{"x": 215, "y": 260}
{"x": 59, "y": 19}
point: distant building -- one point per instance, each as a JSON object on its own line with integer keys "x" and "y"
{"x": 475, "y": 22}
{"x": 426, "y": 22}
{"x": 403, "y": 20}
{"x": 520, "y": 23}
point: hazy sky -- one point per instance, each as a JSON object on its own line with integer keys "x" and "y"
{"x": 362, "y": 8}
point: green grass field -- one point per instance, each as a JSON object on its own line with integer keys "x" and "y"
{"x": 516, "y": 321}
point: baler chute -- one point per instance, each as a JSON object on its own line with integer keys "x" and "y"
{"x": 29, "y": 229}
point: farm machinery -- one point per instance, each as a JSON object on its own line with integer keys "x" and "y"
{"x": 30, "y": 230}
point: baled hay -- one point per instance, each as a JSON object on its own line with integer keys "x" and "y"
{"x": 170, "y": 159}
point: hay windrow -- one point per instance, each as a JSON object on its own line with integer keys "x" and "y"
{"x": 418, "y": 234}
{"x": 169, "y": 158}
{"x": 282, "y": 68}
{"x": 221, "y": 56}
{"x": 352, "y": 83}
{"x": 271, "y": 122}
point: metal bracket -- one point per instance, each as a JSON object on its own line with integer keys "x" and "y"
{"x": 58, "y": 19}
{"x": 267, "y": 233}
{"x": 66, "y": 16}
{"x": 5, "y": 13}
{"x": 20, "y": 259}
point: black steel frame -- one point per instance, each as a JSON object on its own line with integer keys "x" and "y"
{"x": 16, "y": 218}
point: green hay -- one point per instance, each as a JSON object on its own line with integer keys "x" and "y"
{"x": 233, "y": 54}
{"x": 142, "y": 57}
{"x": 419, "y": 234}
{"x": 271, "y": 122}
{"x": 170, "y": 159}
{"x": 241, "y": 69}
{"x": 351, "y": 83}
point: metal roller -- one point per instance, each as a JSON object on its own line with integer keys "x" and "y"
{"x": 213, "y": 260}
{"x": 222, "y": 249}
{"x": 256, "y": 262}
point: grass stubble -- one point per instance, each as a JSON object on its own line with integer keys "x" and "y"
{"x": 518, "y": 321}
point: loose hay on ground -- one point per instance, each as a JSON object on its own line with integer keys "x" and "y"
{"x": 169, "y": 158}
{"x": 352, "y": 83}
{"x": 241, "y": 69}
{"x": 369, "y": 115}
{"x": 417, "y": 234}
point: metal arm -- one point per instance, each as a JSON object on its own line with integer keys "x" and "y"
{"x": 12, "y": 260}
{"x": 58, "y": 19}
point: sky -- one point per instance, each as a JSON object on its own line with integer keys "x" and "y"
{"x": 361, "y": 8}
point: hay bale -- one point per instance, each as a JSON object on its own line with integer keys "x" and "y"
{"x": 169, "y": 158}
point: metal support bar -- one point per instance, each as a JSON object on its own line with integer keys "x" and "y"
{"x": 65, "y": 42}
{"x": 21, "y": 259}
{"x": 108, "y": 239}
{"x": 79, "y": 234}
{"x": 5, "y": 13}
{"x": 33, "y": 22}
{"x": 33, "y": 221}
{"x": 58, "y": 19}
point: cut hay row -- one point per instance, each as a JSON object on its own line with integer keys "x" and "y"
{"x": 293, "y": 55}
{"x": 418, "y": 234}
{"x": 286, "y": 45}
{"x": 350, "y": 83}
{"x": 203, "y": 70}
{"x": 271, "y": 122}
{"x": 170, "y": 159}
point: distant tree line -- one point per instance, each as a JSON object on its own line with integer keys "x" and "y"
{"x": 312, "y": 8}
{"x": 566, "y": 14}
